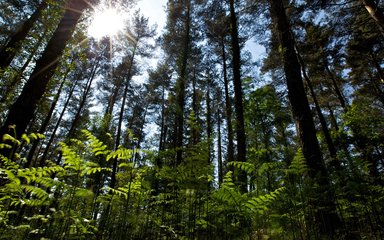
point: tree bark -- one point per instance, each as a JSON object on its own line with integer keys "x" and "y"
{"x": 180, "y": 87}
{"x": 324, "y": 207}
{"x": 22, "y": 111}
{"x": 8, "y": 52}
{"x": 240, "y": 129}
{"x": 83, "y": 99}
{"x": 209, "y": 121}
{"x": 323, "y": 122}
{"x": 228, "y": 108}
{"x": 53, "y": 134}
{"x": 121, "y": 115}
{"x": 47, "y": 119}
{"x": 219, "y": 150}
{"x": 18, "y": 76}
{"x": 335, "y": 86}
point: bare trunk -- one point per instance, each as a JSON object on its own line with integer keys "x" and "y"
{"x": 53, "y": 134}
{"x": 18, "y": 76}
{"x": 323, "y": 122}
{"x": 121, "y": 116}
{"x": 335, "y": 86}
{"x": 240, "y": 129}
{"x": 180, "y": 88}
{"x": 209, "y": 121}
{"x": 228, "y": 108}
{"x": 219, "y": 149}
{"x": 324, "y": 207}
{"x": 8, "y": 52}
{"x": 22, "y": 111}
{"x": 47, "y": 119}
{"x": 83, "y": 100}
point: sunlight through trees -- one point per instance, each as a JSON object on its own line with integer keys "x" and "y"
{"x": 113, "y": 128}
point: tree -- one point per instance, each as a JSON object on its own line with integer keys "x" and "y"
{"x": 236, "y": 68}
{"x": 22, "y": 111}
{"x": 326, "y": 208}
{"x": 8, "y": 52}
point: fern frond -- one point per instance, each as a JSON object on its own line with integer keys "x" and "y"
{"x": 26, "y": 138}
{"x": 35, "y": 191}
{"x": 120, "y": 154}
{"x": 118, "y": 192}
{"x": 97, "y": 146}
{"x": 298, "y": 165}
{"x": 266, "y": 167}
{"x": 7, "y": 137}
{"x": 245, "y": 166}
{"x": 260, "y": 204}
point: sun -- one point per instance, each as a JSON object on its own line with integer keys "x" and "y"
{"x": 106, "y": 22}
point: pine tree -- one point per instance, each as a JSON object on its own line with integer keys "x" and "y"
{"x": 326, "y": 208}
{"x": 22, "y": 111}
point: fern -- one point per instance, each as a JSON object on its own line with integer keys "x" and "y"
{"x": 35, "y": 191}
{"x": 298, "y": 165}
{"x": 267, "y": 167}
{"x": 228, "y": 193}
{"x": 72, "y": 160}
{"x": 7, "y": 137}
{"x": 260, "y": 204}
{"x": 40, "y": 175}
{"x": 245, "y": 166}
{"x": 120, "y": 154}
{"x": 93, "y": 168}
{"x": 118, "y": 192}
{"x": 97, "y": 146}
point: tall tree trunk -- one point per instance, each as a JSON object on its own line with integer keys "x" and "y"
{"x": 162, "y": 124}
{"x": 44, "y": 125}
{"x": 240, "y": 128}
{"x": 22, "y": 111}
{"x": 105, "y": 215}
{"x": 112, "y": 100}
{"x": 83, "y": 99}
{"x": 121, "y": 116}
{"x": 335, "y": 85}
{"x": 195, "y": 130}
{"x": 325, "y": 208}
{"x": 228, "y": 107}
{"x": 8, "y": 52}
{"x": 53, "y": 134}
{"x": 323, "y": 122}
{"x": 378, "y": 81}
{"x": 209, "y": 121}
{"x": 375, "y": 12}
{"x": 140, "y": 136}
{"x": 180, "y": 86}
{"x": 219, "y": 149}
{"x": 18, "y": 76}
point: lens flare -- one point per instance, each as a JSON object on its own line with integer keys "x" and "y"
{"x": 106, "y": 21}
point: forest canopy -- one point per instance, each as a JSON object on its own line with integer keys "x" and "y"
{"x": 111, "y": 128}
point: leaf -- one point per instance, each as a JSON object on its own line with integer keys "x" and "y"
{"x": 245, "y": 166}
{"x": 7, "y": 137}
{"x": 26, "y": 138}
{"x": 298, "y": 165}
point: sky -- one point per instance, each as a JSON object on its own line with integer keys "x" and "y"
{"x": 155, "y": 11}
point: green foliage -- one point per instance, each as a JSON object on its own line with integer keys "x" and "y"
{"x": 261, "y": 204}
{"x": 298, "y": 165}
{"x": 245, "y": 166}
{"x": 98, "y": 147}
